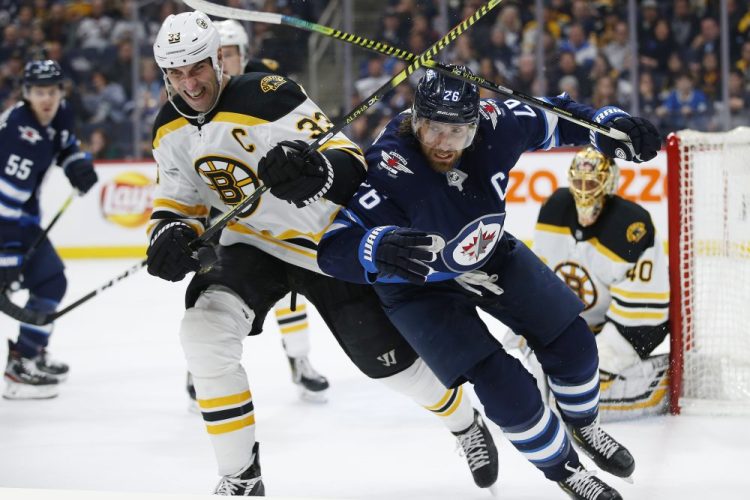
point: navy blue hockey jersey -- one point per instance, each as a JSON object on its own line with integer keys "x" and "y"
{"x": 466, "y": 206}
{"x": 27, "y": 150}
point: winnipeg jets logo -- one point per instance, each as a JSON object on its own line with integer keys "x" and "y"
{"x": 474, "y": 244}
{"x": 30, "y": 134}
{"x": 490, "y": 111}
{"x": 393, "y": 163}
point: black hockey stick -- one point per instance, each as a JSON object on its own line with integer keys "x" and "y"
{"x": 382, "y": 48}
{"x": 39, "y": 318}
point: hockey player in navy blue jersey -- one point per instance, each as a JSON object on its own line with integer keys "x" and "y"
{"x": 427, "y": 229}
{"x": 35, "y": 134}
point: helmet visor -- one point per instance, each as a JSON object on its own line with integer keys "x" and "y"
{"x": 444, "y": 136}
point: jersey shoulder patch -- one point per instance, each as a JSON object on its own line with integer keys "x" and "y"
{"x": 626, "y": 228}
{"x": 265, "y": 96}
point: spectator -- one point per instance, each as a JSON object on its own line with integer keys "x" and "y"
{"x": 524, "y": 79}
{"x": 569, "y": 85}
{"x": 710, "y": 82}
{"x": 93, "y": 31}
{"x": 376, "y": 78}
{"x": 392, "y": 30}
{"x": 106, "y": 102}
{"x": 743, "y": 63}
{"x": 584, "y": 51}
{"x": 567, "y": 66}
{"x": 685, "y": 106}
{"x": 657, "y": 48}
{"x": 604, "y": 92}
{"x": 618, "y": 48}
{"x": 683, "y": 23}
{"x": 739, "y": 100}
{"x": 648, "y": 98}
{"x": 708, "y": 38}
{"x": 100, "y": 147}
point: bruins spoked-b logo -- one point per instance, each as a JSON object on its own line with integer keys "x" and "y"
{"x": 229, "y": 178}
{"x": 579, "y": 281}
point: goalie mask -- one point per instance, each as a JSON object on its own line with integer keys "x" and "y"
{"x": 185, "y": 39}
{"x": 445, "y": 113}
{"x": 591, "y": 178}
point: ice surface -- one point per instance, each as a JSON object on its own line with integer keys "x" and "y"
{"x": 121, "y": 422}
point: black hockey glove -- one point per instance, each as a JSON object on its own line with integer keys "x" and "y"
{"x": 295, "y": 174}
{"x": 81, "y": 173}
{"x": 403, "y": 252}
{"x": 169, "y": 255}
{"x": 644, "y": 136}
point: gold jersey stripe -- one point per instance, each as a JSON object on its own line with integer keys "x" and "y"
{"x": 181, "y": 208}
{"x": 234, "y": 399}
{"x": 637, "y": 314}
{"x": 239, "y": 119}
{"x": 605, "y": 251}
{"x": 234, "y": 226}
{"x": 231, "y": 426}
{"x": 640, "y": 295}
{"x": 549, "y": 228}
{"x": 293, "y": 328}
{"x": 168, "y": 128}
{"x": 285, "y": 311}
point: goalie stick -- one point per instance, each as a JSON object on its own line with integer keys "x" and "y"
{"x": 383, "y": 48}
{"x": 39, "y": 318}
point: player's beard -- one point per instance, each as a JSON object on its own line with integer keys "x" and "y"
{"x": 437, "y": 162}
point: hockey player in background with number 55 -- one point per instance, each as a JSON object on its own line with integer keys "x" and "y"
{"x": 427, "y": 229}
{"x": 35, "y": 134}
{"x": 212, "y": 142}
{"x": 605, "y": 248}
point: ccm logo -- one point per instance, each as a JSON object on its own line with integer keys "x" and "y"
{"x": 642, "y": 185}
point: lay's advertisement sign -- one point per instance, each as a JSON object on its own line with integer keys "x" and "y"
{"x": 111, "y": 220}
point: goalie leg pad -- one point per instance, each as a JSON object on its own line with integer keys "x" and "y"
{"x": 211, "y": 334}
{"x": 452, "y": 406}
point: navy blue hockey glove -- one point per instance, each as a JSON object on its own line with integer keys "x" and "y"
{"x": 81, "y": 173}
{"x": 645, "y": 140}
{"x": 295, "y": 174}
{"x": 394, "y": 251}
{"x": 169, "y": 255}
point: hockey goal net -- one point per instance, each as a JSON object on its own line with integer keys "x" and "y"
{"x": 709, "y": 261}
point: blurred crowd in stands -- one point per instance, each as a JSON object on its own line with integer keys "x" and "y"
{"x": 585, "y": 46}
{"x": 586, "y": 54}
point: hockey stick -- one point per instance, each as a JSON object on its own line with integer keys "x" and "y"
{"x": 39, "y": 318}
{"x": 382, "y": 48}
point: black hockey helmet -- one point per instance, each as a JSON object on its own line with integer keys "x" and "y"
{"x": 42, "y": 72}
{"x": 445, "y": 99}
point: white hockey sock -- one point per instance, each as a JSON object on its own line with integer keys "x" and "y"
{"x": 295, "y": 334}
{"x": 212, "y": 333}
{"x": 452, "y": 406}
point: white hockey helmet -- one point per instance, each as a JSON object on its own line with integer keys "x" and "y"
{"x": 187, "y": 38}
{"x": 232, "y": 33}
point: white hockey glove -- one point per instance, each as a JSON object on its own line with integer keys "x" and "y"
{"x": 474, "y": 279}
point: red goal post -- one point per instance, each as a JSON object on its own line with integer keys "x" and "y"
{"x": 709, "y": 266}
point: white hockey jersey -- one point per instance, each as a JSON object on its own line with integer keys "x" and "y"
{"x": 617, "y": 266}
{"x": 215, "y": 165}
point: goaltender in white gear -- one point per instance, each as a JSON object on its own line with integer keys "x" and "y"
{"x": 606, "y": 249}
{"x": 208, "y": 143}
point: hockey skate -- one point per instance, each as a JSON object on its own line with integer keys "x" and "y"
{"x": 312, "y": 385}
{"x": 23, "y": 380}
{"x": 246, "y": 483}
{"x": 479, "y": 449}
{"x": 51, "y": 367}
{"x": 606, "y": 453}
{"x": 582, "y": 485}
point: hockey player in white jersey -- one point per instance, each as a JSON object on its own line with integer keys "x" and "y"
{"x": 606, "y": 250}
{"x": 291, "y": 317}
{"x": 212, "y": 141}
